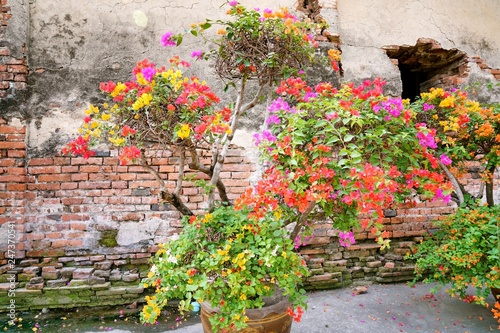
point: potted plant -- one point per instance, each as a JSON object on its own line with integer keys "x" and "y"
{"x": 328, "y": 153}
{"x": 465, "y": 250}
{"x": 231, "y": 264}
{"x": 161, "y": 108}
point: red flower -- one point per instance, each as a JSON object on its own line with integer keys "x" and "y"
{"x": 126, "y": 131}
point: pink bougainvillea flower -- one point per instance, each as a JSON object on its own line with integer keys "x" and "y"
{"x": 167, "y": 40}
{"x": 445, "y": 159}
{"x": 427, "y": 107}
{"x": 346, "y": 238}
{"x": 148, "y": 73}
{"x": 279, "y": 104}
{"x": 273, "y": 119}
{"x": 197, "y": 54}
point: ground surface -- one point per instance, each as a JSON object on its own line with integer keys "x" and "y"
{"x": 383, "y": 309}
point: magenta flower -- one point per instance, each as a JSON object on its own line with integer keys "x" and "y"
{"x": 439, "y": 195}
{"x": 445, "y": 159}
{"x": 148, "y": 73}
{"x": 167, "y": 40}
{"x": 346, "y": 238}
{"x": 266, "y": 135}
{"x": 273, "y": 119}
{"x": 197, "y": 54}
{"x": 426, "y": 140}
{"x": 330, "y": 116}
{"x": 427, "y": 107}
{"x": 308, "y": 96}
{"x": 233, "y": 3}
{"x": 278, "y": 105}
{"x": 394, "y": 106}
{"x": 256, "y": 138}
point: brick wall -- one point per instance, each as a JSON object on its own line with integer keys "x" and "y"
{"x": 62, "y": 208}
{"x": 13, "y": 71}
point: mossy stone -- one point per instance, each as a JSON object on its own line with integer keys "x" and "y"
{"x": 108, "y": 238}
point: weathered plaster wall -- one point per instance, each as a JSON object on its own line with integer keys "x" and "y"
{"x": 368, "y": 25}
{"x": 74, "y": 45}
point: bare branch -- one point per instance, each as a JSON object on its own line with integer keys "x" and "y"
{"x": 302, "y": 220}
{"x": 454, "y": 182}
{"x": 164, "y": 193}
{"x": 254, "y": 101}
{"x": 180, "y": 175}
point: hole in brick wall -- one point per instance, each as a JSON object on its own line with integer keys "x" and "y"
{"x": 426, "y": 65}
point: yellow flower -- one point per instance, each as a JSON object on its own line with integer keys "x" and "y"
{"x": 283, "y": 254}
{"x": 120, "y": 87}
{"x": 184, "y": 131}
{"x": 334, "y": 54}
{"x": 96, "y": 133}
{"x": 221, "y": 252}
{"x": 117, "y": 141}
{"x": 106, "y": 116}
{"x": 243, "y": 297}
{"x": 142, "y": 101}
{"x": 140, "y": 79}
{"x": 448, "y": 102}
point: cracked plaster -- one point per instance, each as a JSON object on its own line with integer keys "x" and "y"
{"x": 368, "y": 25}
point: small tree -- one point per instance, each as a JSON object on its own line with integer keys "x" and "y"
{"x": 467, "y": 132}
{"x": 161, "y": 108}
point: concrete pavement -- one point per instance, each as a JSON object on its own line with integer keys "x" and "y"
{"x": 383, "y": 309}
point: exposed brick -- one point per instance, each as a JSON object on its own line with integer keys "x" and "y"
{"x": 54, "y": 178}
{"x": 44, "y": 170}
{"x": 17, "y": 69}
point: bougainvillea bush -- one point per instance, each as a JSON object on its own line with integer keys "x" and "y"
{"x": 341, "y": 154}
{"x": 232, "y": 262}
{"x": 161, "y": 107}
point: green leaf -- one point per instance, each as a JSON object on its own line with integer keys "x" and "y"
{"x": 205, "y": 25}
{"x": 355, "y": 154}
{"x": 348, "y": 137}
{"x": 191, "y": 287}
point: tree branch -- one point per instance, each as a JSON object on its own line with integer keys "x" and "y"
{"x": 489, "y": 187}
{"x": 180, "y": 175}
{"x": 164, "y": 193}
{"x": 302, "y": 219}
{"x": 454, "y": 182}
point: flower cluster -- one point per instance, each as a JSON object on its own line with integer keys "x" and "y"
{"x": 462, "y": 129}
{"x": 347, "y": 152}
{"x": 161, "y": 104}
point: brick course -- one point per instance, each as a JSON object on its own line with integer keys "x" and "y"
{"x": 13, "y": 71}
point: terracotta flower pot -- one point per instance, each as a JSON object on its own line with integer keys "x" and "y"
{"x": 270, "y": 318}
